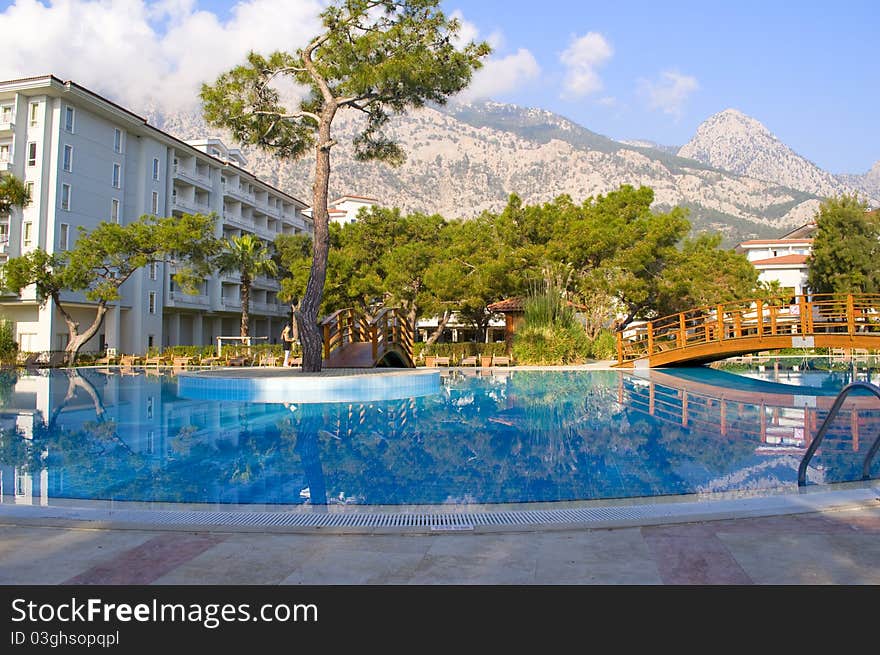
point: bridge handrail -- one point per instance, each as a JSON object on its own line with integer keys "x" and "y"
{"x": 819, "y": 313}
{"x": 388, "y": 329}
{"x": 391, "y": 328}
{"x": 820, "y": 435}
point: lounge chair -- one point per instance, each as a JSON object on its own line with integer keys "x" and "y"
{"x": 156, "y": 360}
{"x": 107, "y": 359}
{"x": 441, "y": 361}
{"x": 268, "y": 359}
{"x": 469, "y": 361}
{"x": 501, "y": 360}
{"x": 181, "y": 362}
{"x": 238, "y": 360}
{"x": 128, "y": 361}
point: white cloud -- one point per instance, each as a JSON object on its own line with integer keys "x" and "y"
{"x": 669, "y": 92}
{"x": 498, "y": 76}
{"x": 583, "y": 57}
{"x": 117, "y": 48}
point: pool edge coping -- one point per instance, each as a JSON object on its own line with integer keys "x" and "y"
{"x": 428, "y": 520}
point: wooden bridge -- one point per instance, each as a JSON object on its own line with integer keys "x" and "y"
{"x": 351, "y": 340}
{"x": 707, "y": 334}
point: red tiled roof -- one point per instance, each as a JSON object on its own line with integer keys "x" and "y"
{"x": 785, "y": 260}
{"x": 507, "y": 305}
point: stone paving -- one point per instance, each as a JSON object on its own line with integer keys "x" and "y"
{"x": 840, "y": 547}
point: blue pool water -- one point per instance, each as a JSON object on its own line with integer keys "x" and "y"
{"x": 512, "y": 436}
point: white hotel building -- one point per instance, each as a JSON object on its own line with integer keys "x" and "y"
{"x": 87, "y": 160}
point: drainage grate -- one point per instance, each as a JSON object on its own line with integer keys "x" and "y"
{"x": 604, "y": 516}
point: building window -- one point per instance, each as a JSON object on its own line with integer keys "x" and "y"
{"x": 6, "y": 114}
{"x": 117, "y": 139}
{"x": 154, "y": 204}
{"x": 117, "y": 176}
{"x": 68, "y": 119}
{"x": 4, "y": 152}
{"x": 26, "y": 233}
{"x": 29, "y": 187}
{"x": 152, "y": 302}
{"x": 65, "y": 197}
{"x": 35, "y": 114}
{"x": 155, "y": 169}
{"x": 68, "y": 158}
{"x": 63, "y": 235}
{"x": 114, "y": 210}
{"x": 32, "y": 154}
{"x": 154, "y": 270}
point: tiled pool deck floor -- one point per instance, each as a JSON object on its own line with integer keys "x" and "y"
{"x": 822, "y": 537}
{"x": 834, "y": 547}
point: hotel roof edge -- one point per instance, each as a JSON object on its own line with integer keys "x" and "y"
{"x": 63, "y": 86}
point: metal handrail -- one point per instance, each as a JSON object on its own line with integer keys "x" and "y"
{"x": 835, "y": 408}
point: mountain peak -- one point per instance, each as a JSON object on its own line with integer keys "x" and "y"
{"x": 735, "y": 142}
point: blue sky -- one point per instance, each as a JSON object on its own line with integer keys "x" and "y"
{"x": 808, "y": 70}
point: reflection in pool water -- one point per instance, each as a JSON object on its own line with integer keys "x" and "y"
{"x": 500, "y": 437}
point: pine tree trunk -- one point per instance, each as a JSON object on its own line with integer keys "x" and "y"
{"x": 77, "y": 341}
{"x": 307, "y": 317}
{"x": 440, "y": 327}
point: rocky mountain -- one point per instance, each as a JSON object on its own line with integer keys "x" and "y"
{"x": 868, "y": 184}
{"x": 464, "y": 159}
{"x": 643, "y": 143}
{"x": 734, "y": 142}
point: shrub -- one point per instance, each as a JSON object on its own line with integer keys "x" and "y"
{"x": 8, "y": 346}
{"x": 551, "y": 345}
{"x": 604, "y": 345}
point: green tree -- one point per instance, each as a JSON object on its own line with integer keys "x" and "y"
{"x": 704, "y": 274}
{"x": 380, "y": 57}
{"x": 248, "y": 256}
{"x": 293, "y": 256}
{"x": 13, "y": 193}
{"x": 846, "y": 248}
{"x": 105, "y": 258}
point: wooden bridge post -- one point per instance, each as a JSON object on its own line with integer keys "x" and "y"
{"x": 850, "y": 315}
{"x": 805, "y": 314}
{"x": 326, "y": 341}
{"x": 760, "y": 317}
{"x": 773, "y": 320}
{"x": 374, "y": 338}
{"x": 682, "y": 330}
{"x": 720, "y": 311}
{"x": 620, "y": 347}
{"x": 650, "y": 338}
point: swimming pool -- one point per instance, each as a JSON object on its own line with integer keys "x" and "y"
{"x": 495, "y": 436}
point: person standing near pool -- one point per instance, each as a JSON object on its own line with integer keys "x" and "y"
{"x": 286, "y": 342}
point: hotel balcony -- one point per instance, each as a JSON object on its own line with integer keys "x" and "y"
{"x": 231, "y": 302}
{"x": 190, "y": 206}
{"x": 239, "y": 194}
{"x": 238, "y": 221}
{"x": 191, "y": 177}
{"x": 181, "y": 299}
{"x": 269, "y": 308}
{"x": 6, "y": 126}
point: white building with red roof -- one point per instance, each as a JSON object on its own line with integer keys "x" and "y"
{"x": 783, "y": 260}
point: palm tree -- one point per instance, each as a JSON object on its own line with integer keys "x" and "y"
{"x": 13, "y": 193}
{"x": 248, "y": 256}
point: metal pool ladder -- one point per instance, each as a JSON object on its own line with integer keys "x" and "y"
{"x": 835, "y": 408}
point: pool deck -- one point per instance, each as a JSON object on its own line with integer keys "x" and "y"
{"x": 825, "y": 537}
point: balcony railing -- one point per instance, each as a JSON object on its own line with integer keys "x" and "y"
{"x": 230, "y": 301}
{"x": 181, "y": 298}
{"x": 190, "y": 176}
